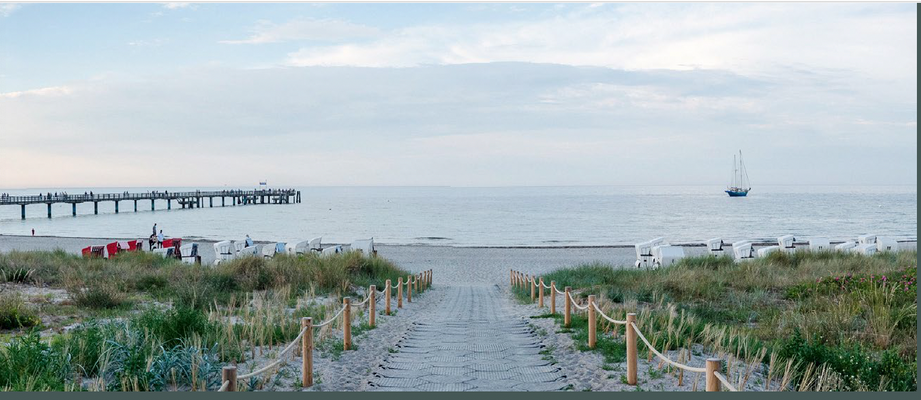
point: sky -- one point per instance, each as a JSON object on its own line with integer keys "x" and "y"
{"x": 476, "y": 94}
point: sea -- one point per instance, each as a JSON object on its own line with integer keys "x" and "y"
{"x": 497, "y": 216}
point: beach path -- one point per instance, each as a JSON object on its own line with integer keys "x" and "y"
{"x": 470, "y": 341}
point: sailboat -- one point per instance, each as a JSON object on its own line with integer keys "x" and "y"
{"x": 740, "y": 186}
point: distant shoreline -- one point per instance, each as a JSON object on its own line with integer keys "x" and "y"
{"x": 424, "y": 245}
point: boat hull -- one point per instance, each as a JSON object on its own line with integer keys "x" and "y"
{"x": 735, "y": 193}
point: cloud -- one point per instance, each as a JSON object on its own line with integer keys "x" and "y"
{"x": 745, "y": 38}
{"x": 177, "y": 5}
{"x": 48, "y": 91}
{"x": 7, "y": 9}
{"x": 472, "y": 124}
{"x": 305, "y": 29}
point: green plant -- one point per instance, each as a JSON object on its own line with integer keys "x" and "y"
{"x": 14, "y": 313}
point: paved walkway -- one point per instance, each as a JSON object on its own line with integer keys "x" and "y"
{"x": 471, "y": 341}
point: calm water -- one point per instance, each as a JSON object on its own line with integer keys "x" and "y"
{"x": 522, "y": 216}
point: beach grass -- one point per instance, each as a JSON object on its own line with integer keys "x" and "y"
{"x": 846, "y": 317}
{"x": 150, "y": 323}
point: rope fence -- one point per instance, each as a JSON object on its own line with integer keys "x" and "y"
{"x": 714, "y": 379}
{"x": 421, "y": 281}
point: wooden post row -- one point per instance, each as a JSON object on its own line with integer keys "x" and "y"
{"x": 552, "y": 297}
{"x": 713, "y": 365}
{"x": 400, "y": 292}
{"x": 540, "y": 296}
{"x": 591, "y": 322}
{"x": 347, "y": 323}
{"x": 307, "y": 352}
{"x": 229, "y": 373}
{"x": 387, "y": 295}
{"x": 371, "y": 310}
{"x": 567, "y": 308}
{"x": 631, "y": 349}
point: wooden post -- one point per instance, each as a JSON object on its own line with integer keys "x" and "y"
{"x": 416, "y": 283}
{"x": 631, "y": 349}
{"x": 540, "y": 296}
{"x": 533, "y": 295}
{"x": 567, "y": 307}
{"x": 400, "y": 292}
{"x": 713, "y": 365}
{"x": 409, "y": 289}
{"x": 371, "y": 306}
{"x": 347, "y": 323}
{"x": 307, "y": 352}
{"x": 511, "y": 278}
{"x": 591, "y": 321}
{"x": 552, "y": 297}
{"x": 229, "y": 373}
{"x": 387, "y": 295}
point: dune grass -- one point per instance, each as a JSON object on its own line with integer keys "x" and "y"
{"x": 205, "y": 316}
{"x": 848, "y": 316}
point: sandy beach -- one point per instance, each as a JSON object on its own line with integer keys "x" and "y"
{"x": 451, "y": 265}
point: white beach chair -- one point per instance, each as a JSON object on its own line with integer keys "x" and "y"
{"x": 644, "y": 257}
{"x": 786, "y": 243}
{"x": 867, "y": 249}
{"x": 666, "y": 255}
{"x": 224, "y": 251}
{"x": 301, "y": 247}
{"x": 189, "y": 252}
{"x": 715, "y": 246}
{"x": 314, "y": 244}
{"x": 764, "y": 252}
{"x": 331, "y": 250}
{"x": 238, "y": 246}
{"x": 743, "y": 250}
{"x": 846, "y": 246}
{"x": 886, "y": 244}
{"x": 248, "y": 251}
{"x": 866, "y": 239}
{"x": 164, "y": 252}
{"x": 819, "y": 244}
{"x": 268, "y": 250}
{"x": 366, "y": 246}
{"x": 281, "y": 247}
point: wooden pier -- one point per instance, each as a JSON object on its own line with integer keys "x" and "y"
{"x": 194, "y": 199}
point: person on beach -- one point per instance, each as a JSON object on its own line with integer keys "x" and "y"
{"x": 248, "y": 241}
{"x": 160, "y": 239}
{"x": 154, "y": 229}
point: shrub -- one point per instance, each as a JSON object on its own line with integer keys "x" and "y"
{"x": 98, "y": 294}
{"x": 28, "y": 364}
{"x": 14, "y": 313}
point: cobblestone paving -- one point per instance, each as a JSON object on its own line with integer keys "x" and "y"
{"x": 470, "y": 341}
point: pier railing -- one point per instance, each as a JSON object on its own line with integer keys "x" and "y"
{"x": 715, "y": 380}
{"x": 418, "y": 282}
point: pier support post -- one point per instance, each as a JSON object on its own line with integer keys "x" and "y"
{"x": 631, "y": 349}
{"x": 152, "y": 204}
{"x": 211, "y": 201}
{"x": 23, "y": 206}
{"x": 307, "y": 352}
{"x": 73, "y": 209}
{"x": 169, "y": 204}
{"x": 96, "y": 207}
{"x": 49, "y": 210}
{"x": 223, "y": 202}
{"x": 135, "y": 206}
{"x": 116, "y": 206}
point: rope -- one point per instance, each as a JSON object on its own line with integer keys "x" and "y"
{"x": 546, "y": 285}
{"x": 327, "y": 322}
{"x": 368, "y": 297}
{"x": 725, "y": 381}
{"x": 224, "y": 386}
{"x": 559, "y": 291}
{"x": 575, "y": 304}
{"x": 664, "y": 358}
{"x": 281, "y": 357}
{"x": 607, "y": 317}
